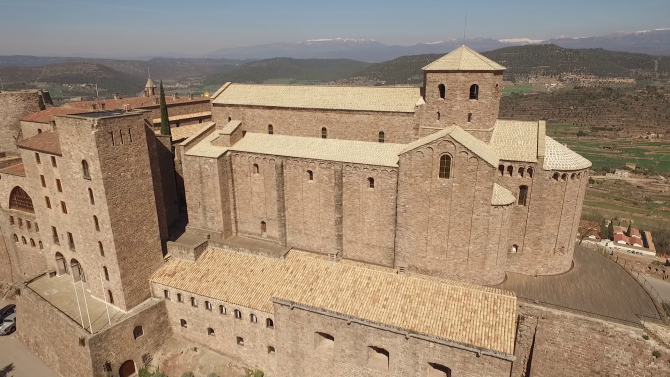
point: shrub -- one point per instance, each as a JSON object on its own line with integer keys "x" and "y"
{"x": 656, "y": 354}
{"x": 255, "y": 373}
{"x": 188, "y": 374}
{"x": 645, "y": 337}
{"x": 212, "y": 375}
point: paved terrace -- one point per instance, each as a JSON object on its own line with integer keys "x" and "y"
{"x": 595, "y": 285}
{"x": 60, "y": 292}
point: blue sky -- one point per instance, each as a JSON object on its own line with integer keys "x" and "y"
{"x": 147, "y": 27}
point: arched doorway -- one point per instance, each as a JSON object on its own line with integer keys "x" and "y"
{"x": 77, "y": 270}
{"x": 127, "y": 369}
{"x": 20, "y": 200}
{"x": 60, "y": 264}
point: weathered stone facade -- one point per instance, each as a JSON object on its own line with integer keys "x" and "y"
{"x": 13, "y": 107}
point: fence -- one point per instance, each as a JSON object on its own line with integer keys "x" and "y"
{"x": 628, "y": 266}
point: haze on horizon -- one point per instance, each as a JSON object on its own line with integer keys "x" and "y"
{"x": 125, "y": 28}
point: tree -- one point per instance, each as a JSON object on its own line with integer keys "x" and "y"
{"x": 604, "y": 230}
{"x": 610, "y": 230}
{"x": 586, "y": 229}
{"x": 165, "y": 120}
{"x": 630, "y": 224}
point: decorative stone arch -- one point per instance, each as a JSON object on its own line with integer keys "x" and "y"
{"x": 438, "y": 370}
{"x": 474, "y": 92}
{"x": 127, "y": 369}
{"x": 60, "y": 264}
{"x": 510, "y": 170}
{"x": 529, "y": 171}
{"x": 20, "y": 200}
{"x": 77, "y": 270}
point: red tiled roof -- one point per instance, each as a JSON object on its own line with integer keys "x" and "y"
{"x": 620, "y": 237}
{"x": 134, "y": 102}
{"x": 590, "y": 228}
{"x": 46, "y": 116}
{"x": 47, "y": 142}
{"x": 635, "y": 233}
{"x": 17, "y": 169}
{"x": 634, "y": 241}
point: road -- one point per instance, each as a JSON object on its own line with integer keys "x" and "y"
{"x": 661, "y": 286}
{"x": 16, "y": 360}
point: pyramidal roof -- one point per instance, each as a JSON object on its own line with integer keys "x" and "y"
{"x": 150, "y": 84}
{"x": 464, "y": 59}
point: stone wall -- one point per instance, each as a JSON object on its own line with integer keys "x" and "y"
{"x": 30, "y": 129}
{"x": 349, "y": 125}
{"x": 456, "y": 105}
{"x": 59, "y": 341}
{"x": 257, "y": 336}
{"x": 13, "y": 107}
{"x": 302, "y": 352}
{"x": 447, "y": 227}
{"x": 203, "y": 194}
{"x": 118, "y": 344}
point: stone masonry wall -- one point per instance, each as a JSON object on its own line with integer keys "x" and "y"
{"x": 257, "y": 336}
{"x": 13, "y": 107}
{"x": 53, "y": 336}
{"x": 456, "y": 105}
{"x": 300, "y": 352}
{"x": 447, "y": 227}
{"x": 519, "y": 213}
{"x": 117, "y": 344}
{"x": 349, "y": 125}
{"x": 30, "y": 129}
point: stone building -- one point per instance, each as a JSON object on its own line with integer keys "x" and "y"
{"x": 344, "y": 231}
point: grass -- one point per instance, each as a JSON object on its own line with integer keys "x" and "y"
{"x": 521, "y": 88}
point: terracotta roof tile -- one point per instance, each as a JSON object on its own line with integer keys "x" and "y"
{"x": 47, "y": 142}
{"x": 134, "y": 102}
{"x": 483, "y": 317}
{"x": 46, "y": 116}
{"x": 17, "y": 169}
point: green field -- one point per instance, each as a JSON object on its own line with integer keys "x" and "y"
{"x": 520, "y": 88}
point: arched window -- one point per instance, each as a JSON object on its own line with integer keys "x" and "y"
{"x": 23, "y": 239}
{"x": 183, "y": 323}
{"x": 84, "y": 170}
{"x": 324, "y": 133}
{"x": 564, "y": 177}
{"x": 382, "y": 136}
{"x": 474, "y": 91}
{"x": 90, "y": 196}
{"x": 555, "y": 176}
{"x": 521, "y": 171}
{"x": 469, "y": 117}
{"x": 437, "y": 370}
{"x": 371, "y": 182}
{"x": 110, "y": 297}
{"x": 16, "y": 238}
{"x": 523, "y": 194}
{"x": 20, "y": 200}
{"x": 510, "y": 170}
{"x": 238, "y": 314}
{"x": 222, "y": 309}
{"x": 443, "y": 91}
{"x": 210, "y": 331}
{"x": 194, "y": 302}
{"x": 137, "y": 332}
{"x": 269, "y": 323}
{"x": 530, "y": 172}
{"x": 229, "y": 119}
{"x": 102, "y": 250}
{"x": 41, "y": 245}
{"x": 271, "y": 130}
{"x": 32, "y": 242}
{"x": 445, "y": 166}
{"x": 253, "y": 318}
{"x": 271, "y": 350}
{"x": 180, "y": 298}
{"x": 96, "y": 223}
{"x": 501, "y": 169}
{"x": 378, "y": 358}
{"x": 310, "y": 175}
{"x": 166, "y": 294}
{"x": 240, "y": 341}
{"x": 256, "y": 170}
{"x": 105, "y": 272}
{"x": 439, "y": 115}
{"x": 573, "y": 176}
{"x": 515, "y": 248}
{"x": 208, "y": 305}
{"x": 264, "y": 228}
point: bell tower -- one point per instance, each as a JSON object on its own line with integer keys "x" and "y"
{"x": 462, "y": 88}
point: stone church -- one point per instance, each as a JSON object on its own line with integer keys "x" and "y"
{"x": 332, "y": 231}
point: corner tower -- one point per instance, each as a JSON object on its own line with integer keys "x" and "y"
{"x": 462, "y": 88}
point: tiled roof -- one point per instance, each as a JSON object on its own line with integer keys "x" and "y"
{"x": 360, "y": 152}
{"x": 230, "y": 127}
{"x": 621, "y": 237}
{"x": 635, "y": 233}
{"x": 478, "y": 316}
{"x": 515, "y": 140}
{"x": 134, "y": 102}
{"x": 184, "y": 132}
{"x": 464, "y": 138}
{"x": 46, "y": 116}
{"x": 355, "y": 98}
{"x": 464, "y": 59}
{"x": 619, "y": 229}
{"x": 17, "y": 169}
{"x": 559, "y": 157}
{"x": 47, "y": 142}
{"x": 174, "y": 118}
{"x": 205, "y": 148}
{"x": 501, "y": 196}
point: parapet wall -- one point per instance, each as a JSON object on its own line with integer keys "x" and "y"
{"x": 13, "y": 107}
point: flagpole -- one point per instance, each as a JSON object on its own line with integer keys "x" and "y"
{"x": 83, "y": 291}
{"x": 81, "y": 318}
{"x": 105, "y": 297}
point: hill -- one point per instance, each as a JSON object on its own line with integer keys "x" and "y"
{"x": 323, "y": 70}
{"x": 531, "y": 61}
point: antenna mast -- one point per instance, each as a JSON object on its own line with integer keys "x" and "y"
{"x": 465, "y": 27}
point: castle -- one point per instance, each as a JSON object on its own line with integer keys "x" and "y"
{"x": 332, "y": 231}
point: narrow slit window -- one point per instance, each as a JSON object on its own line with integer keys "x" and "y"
{"x": 112, "y": 133}
{"x": 382, "y": 136}
{"x": 474, "y": 92}
{"x": 324, "y": 133}
{"x": 271, "y": 130}
{"x": 310, "y": 175}
{"x": 121, "y": 135}
{"x": 130, "y": 136}
{"x": 371, "y": 182}
{"x": 523, "y": 195}
{"x": 443, "y": 91}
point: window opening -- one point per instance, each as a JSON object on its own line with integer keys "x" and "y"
{"x": 474, "y": 91}
{"x": 382, "y": 136}
{"x": 371, "y": 182}
{"x": 443, "y": 90}
{"x": 523, "y": 194}
{"x": 445, "y": 166}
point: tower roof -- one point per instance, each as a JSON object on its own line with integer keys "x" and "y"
{"x": 464, "y": 59}
{"x": 150, "y": 84}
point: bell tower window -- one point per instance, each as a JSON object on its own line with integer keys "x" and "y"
{"x": 474, "y": 92}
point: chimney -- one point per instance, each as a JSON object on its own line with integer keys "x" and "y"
{"x": 116, "y": 96}
{"x": 91, "y": 107}
{"x": 157, "y": 101}
{"x": 126, "y": 107}
{"x": 190, "y": 96}
{"x": 175, "y": 96}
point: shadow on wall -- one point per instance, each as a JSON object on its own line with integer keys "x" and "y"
{"x": 4, "y": 372}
